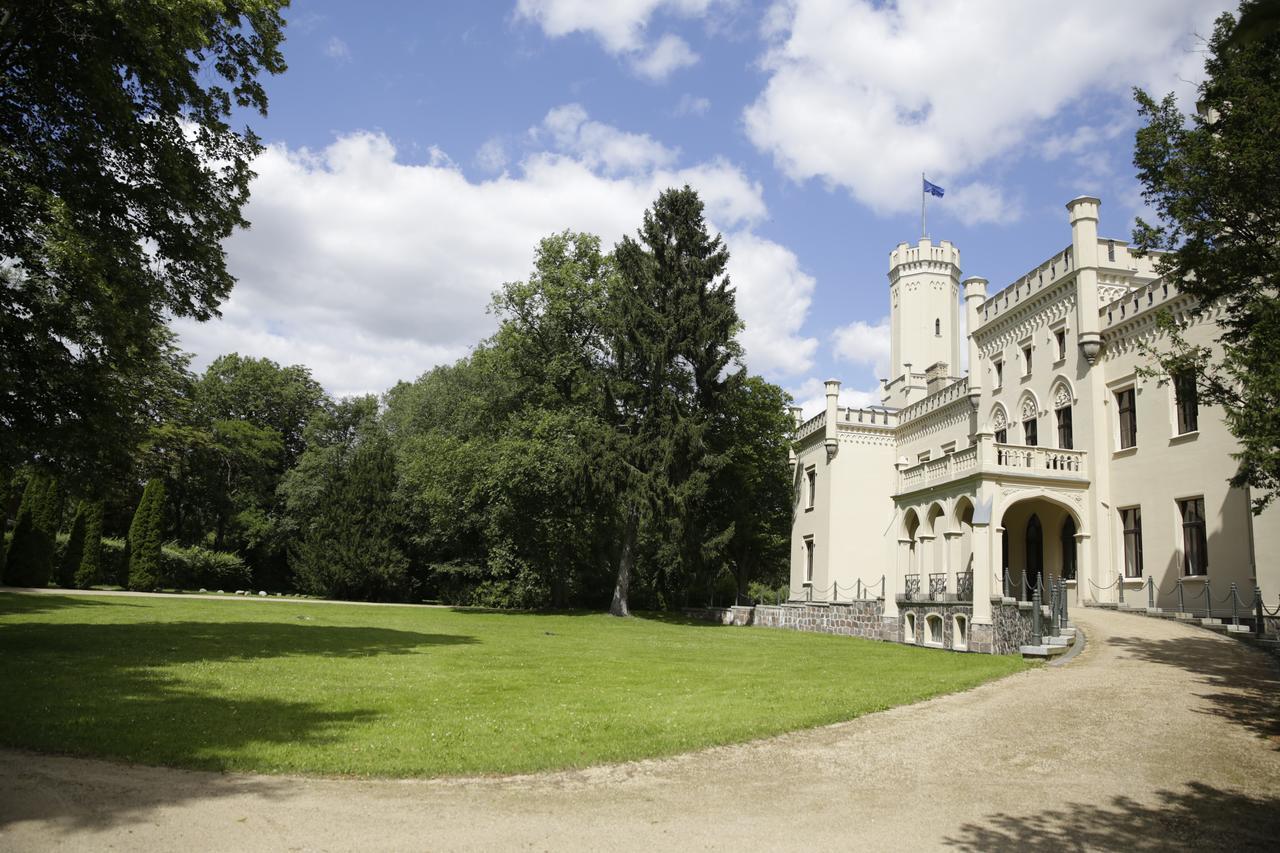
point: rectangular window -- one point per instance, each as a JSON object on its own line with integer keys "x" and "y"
{"x": 1187, "y": 401}
{"x": 922, "y": 457}
{"x": 1195, "y": 548}
{"x": 1131, "y": 521}
{"x": 1125, "y": 407}
{"x": 1002, "y": 436}
{"x": 808, "y": 561}
{"x": 1030, "y": 435}
{"x": 999, "y": 366}
{"x": 1061, "y": 337}
{"x": 1026, "y": 361}
{"x": 1064, "y": 427}
{"x": 811, "y": 487}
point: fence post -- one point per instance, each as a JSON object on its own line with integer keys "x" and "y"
{"x": 1235, "y": 605}
{"x": 1208, "y": 600}
{"x": 1037, "y": 630}
{"x": 1151, "y": 593}
{"x": 883, "y": 593}
{"x": 1260, "y": 628}
{"x": 1182, "y": 607}
{"x": 859, "y": 587}
{"x": 1064, "y": 605}
{"x": 808, "y": 593}
{"x": 1120, "y": 585}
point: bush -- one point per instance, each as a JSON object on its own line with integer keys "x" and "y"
{"x": 759, "y": 592}
{"x": 73, "y": 549}
{"x": 145, "y": 550}
{"x": 29, "y": 560}
{"x": 201, "y": 568}
{"x": 89, "y": 569}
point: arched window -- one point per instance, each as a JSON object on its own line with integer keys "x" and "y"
{"x": 937, "y": 327}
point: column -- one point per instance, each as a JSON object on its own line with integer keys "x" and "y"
{"x": 951, "y": 559}
{"x": 983, "y": 576}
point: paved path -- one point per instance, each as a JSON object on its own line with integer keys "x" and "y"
{"x": 1158, "y": 737}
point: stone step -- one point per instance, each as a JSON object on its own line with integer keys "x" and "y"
{"x": 1238, "y": 629}
{"x": 1057, "y": 641}
{"x": 1042, "y": 652}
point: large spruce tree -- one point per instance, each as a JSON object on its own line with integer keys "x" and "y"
{"x": 671, "y": 322}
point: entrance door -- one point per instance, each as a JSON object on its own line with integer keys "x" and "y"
{"x": 1035, "y": 554}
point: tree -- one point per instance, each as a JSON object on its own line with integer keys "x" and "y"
{"x": 341, "y": 499}
{"x": 73, "y": 553}
{"x": 120, "y": 178}
{"x": 671, "y": 322}
{"x": 146, "y": 535}
{"x": 89, "y": 570}
{"x": 29, "y": 561}
{"x": 1214, "y": 181}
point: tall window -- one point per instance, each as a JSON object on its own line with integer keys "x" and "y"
{"x": 811, "y": 487}
{"x": 808, "y": 560}
{"x": 1061, "y": 337}
{"x": 999, "y": 366}
{"x": 1128, "y": 418}
{"x": 1195, "y": 550}
{"x": 1064, "y": 427}
{"x": 937, "y": 327}
{"x": 1131, "y": 521}
{"x": 1026, "y": 360}
{"x": 1031, "y": 436}
{"x": 1187, "y": 402}
{"x": 1002, "y": 436}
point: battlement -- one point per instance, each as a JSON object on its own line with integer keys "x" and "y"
{"x": 943, "y": 258}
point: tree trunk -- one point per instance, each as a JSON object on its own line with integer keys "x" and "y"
{"x": 626, "y": 559}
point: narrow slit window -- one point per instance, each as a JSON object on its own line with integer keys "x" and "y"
{"x": 1187, "y": 402}
{"x": 1127, "y": 411}
{"x": 1131, "y": 521}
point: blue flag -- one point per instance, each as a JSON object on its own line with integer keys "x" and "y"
{"x": 933, "y": 189}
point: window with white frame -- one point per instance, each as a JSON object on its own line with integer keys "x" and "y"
{"x": 998, "y": 366}
{"x": 1026, "y": 360}
{"x": 1127, "y": 417}
{"x": 811, "y": 487}
{"x": 1131, "y": 529}
{"x": 1186, "y": 402}
{"x": 1060, "y": 338}
{"x": 808, "y": 559}
{"x": 1195, "y": 546}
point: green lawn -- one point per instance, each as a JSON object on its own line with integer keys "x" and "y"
{"x": 400, "y": 691}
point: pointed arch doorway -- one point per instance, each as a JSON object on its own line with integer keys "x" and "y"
{"x": 1035, "y": 553}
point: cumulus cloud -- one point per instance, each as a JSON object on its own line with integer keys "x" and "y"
{"x": 371, "y": 270}
{"x": 621, "y": 27}
{"x": 669, "y": 54}
{"x": 864, "y": 344}
{"x": 811, "y": 396}
{"x": 492, "y": 155}
{"x": 865, "y": 95}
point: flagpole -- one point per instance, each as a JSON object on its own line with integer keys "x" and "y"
{"x": 923, "y": 231}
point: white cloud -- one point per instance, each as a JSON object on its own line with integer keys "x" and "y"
{"x": 865, "y": 95}
{"x": 811, "y": 396}
{"x": 370, "y": 270}
{"x": 669, "y": 54}
{"x": 864, "y": 344}
{"x": 602, "y": 145}
{"x": 689, "y": 105}
{"x": 337, "y": 49}
{"x": 621, "y": 27}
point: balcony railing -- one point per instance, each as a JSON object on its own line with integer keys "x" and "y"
{"x": 987, "y": 457}
{"x": 912, "y": 589}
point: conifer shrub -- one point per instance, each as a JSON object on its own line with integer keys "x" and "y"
{"x": 29, "y": 561}
{"x": 88, "y": 571}
{"x": 145, "y": 539}
{"x": 73, "y": 552}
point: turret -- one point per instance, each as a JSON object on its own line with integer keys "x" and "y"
{"x": 1083, "y": 214}
{"x": 924, "y": 312}
{"x": 975, "y": 293}
{"x": 833, "y": 402}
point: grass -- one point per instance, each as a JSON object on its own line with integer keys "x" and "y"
{"x": 287, "y": 687}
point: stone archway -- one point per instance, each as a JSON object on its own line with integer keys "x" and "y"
{"x": 1031, "y": 527}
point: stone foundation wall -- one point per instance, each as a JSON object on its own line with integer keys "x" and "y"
{"x": 1011, "y": 624}
{"x": 863, "y": 618}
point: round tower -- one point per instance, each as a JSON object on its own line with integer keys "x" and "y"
{"x": 924, "y": 313}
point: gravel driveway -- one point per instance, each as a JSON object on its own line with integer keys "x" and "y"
{"x": 1159, "y": 736}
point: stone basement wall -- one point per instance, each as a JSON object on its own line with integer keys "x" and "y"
{"x": 864, "y": 618}
{"x": 947, "y": 611}
{"x": 1010, "y": 628}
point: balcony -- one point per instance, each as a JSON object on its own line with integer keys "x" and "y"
{"x": 937, "y": 592}
{"x": 991, "y": 459}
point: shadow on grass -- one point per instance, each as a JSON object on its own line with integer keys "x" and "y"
{"x": 104, "y": 690}
{"x": 1245, "y": 683}
{"x": 1197, "y": 817}
{"x": 11, "y": 602}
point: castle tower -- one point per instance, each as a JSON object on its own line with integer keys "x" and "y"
{"x": 924, "y": 313}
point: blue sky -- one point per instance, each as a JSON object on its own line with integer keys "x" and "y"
{"x": 417, "y": 151}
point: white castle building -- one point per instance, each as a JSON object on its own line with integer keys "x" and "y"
{"x": 1054, "y": 462}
